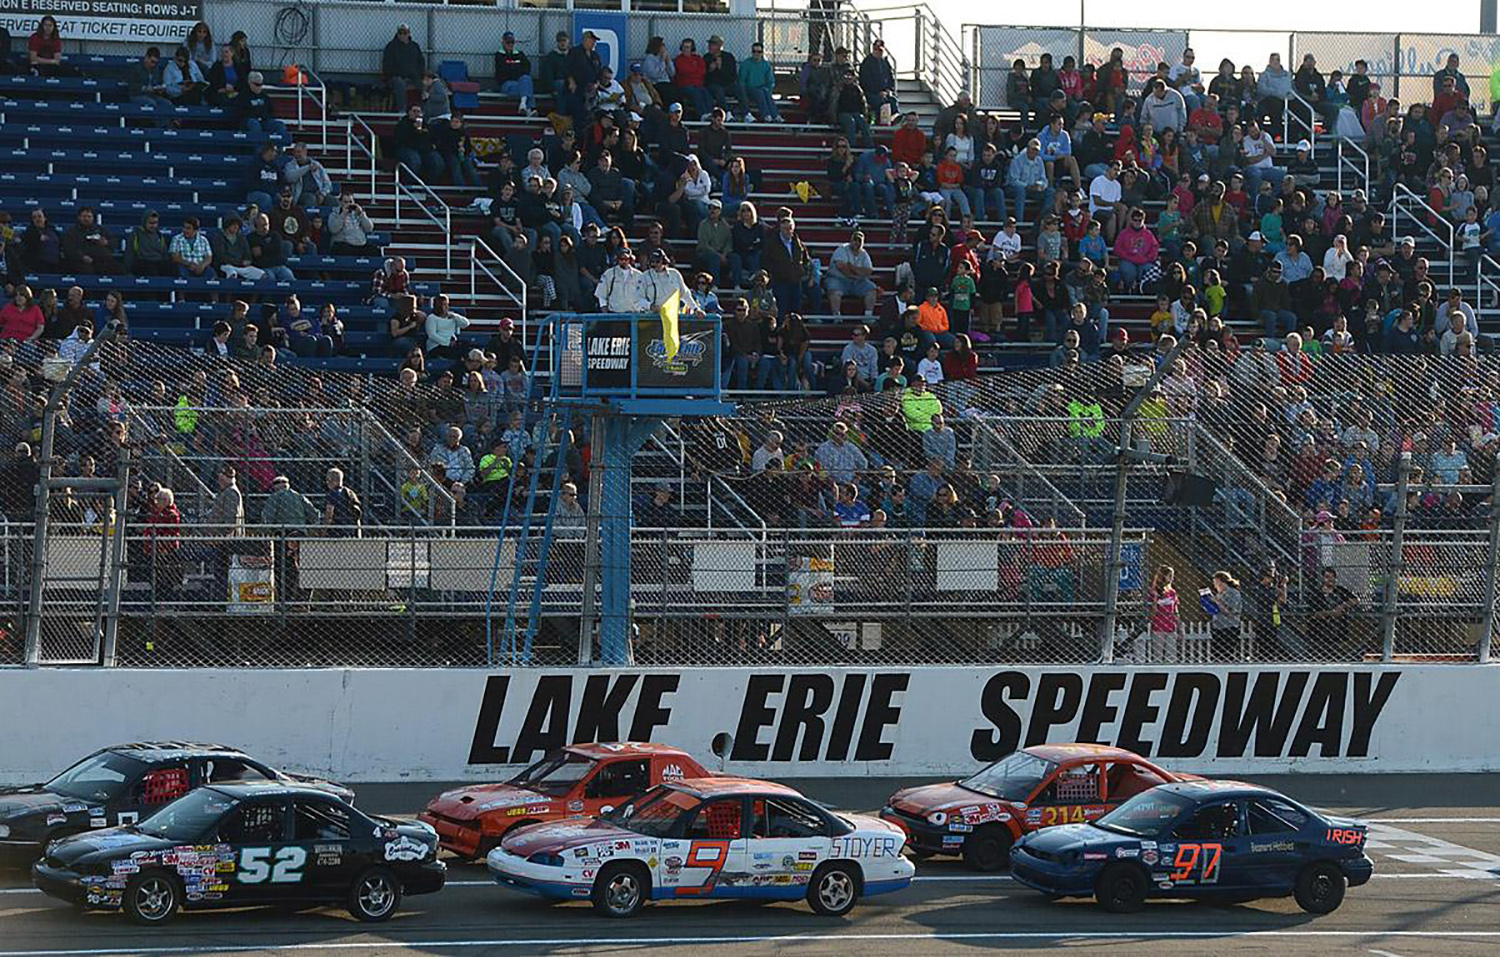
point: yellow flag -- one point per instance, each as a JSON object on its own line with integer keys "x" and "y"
{"x": 670, "y": 337}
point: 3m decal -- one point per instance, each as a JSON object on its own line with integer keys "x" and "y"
{"x": 257, "y": 865}
{"x": 1200, "y": 858}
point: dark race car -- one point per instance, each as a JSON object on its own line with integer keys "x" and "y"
{"x": 121, "y": 785}
{"x": 1219, "y": 840}
{"x": 236, "y": 845}
{"x": 1045, "y": 785}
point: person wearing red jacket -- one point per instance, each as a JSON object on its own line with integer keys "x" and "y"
{"x": 22, "y": 317}
{"x": 909, "y": 143}
{"x": 1135, "y": 249}
{"x": 163, "y": 541}
{"x": 691, "y": 70}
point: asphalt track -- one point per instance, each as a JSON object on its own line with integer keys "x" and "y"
{"x": 1436, "y": 890}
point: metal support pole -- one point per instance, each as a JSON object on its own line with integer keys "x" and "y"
{"x": 1395, "y": 562}
{"x": 917, "y": 57}
{"x": 589, "y": 613}
{"x": 55, "y": 403}
{"x": 117, "y": 564}
{"x": 1491, "y": 561}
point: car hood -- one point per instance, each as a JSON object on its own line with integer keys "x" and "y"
{"x": 108, "y": 844}
{"x": 937, "y": 797}
{"x": 1072, "y": 837}
{"x": 33, "y": 799}
{"x": 322, "y": 784}
{"x": 475, "y": 800}
{"x": 562, "y": 836}
{"x": 869, "y": 823}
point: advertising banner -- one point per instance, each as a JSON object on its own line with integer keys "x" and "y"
{"x": 425, "y": 725}
{"x": 128, "y": 21}
{"x": 614, "y": 354}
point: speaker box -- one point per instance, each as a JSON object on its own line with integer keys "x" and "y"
{"x": 1189, "y": 490}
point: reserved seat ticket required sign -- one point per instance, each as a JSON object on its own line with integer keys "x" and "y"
{"x": 131, "y": 21}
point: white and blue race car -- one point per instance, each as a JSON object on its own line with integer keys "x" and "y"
{"x": 702, "y": 838}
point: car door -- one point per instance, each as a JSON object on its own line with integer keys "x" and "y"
{"x": 1210, "y": 849}
{"x": 158, "y": 786}
{"x": 717, "y": 845}
{"x": 1123, "y": 780}
{"x": 616, "y": 782}
{"x": 788, "y": 838}
{"x": 1073, "y": 795}
{"x": 323, "y": 830}
{"x": 1278, "y": 844}
{"x": 269, "y": 866}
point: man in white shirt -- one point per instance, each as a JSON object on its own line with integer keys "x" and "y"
{"x": 1260, "y": 158}
{"x": 768, "y": 451}
{"x": 1104, "y": 200}
{"x": 619, "y": 289}
{"x": 1007, "y": 245}
{"x": 1186, "y": 79}
{"x": 849, "y": 274}
{"x": 662, "y": 279}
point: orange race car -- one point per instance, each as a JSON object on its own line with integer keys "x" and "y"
{"x": 581, "y": 780}
{"x": 980, "y": 817}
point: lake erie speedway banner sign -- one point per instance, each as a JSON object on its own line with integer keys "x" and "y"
{"x": 126, "y": 21}
{"x": 423, "y": 725}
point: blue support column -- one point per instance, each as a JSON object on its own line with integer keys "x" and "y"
{"x": 623, "y": 438}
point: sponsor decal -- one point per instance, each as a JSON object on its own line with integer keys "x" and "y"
{"x": 1272, "y": 846}
{"x": 673, "y": 862}
{"x": 953, "y": 840}
{"x": 580, "y": 852}
{"x": 855, "y": 846}
{"x": 56, "y": 819}
{"x": 98, "y": 822}
{"x": 671, "y": 772}
{"x": 575, "y": 806}
{"x": 807, "y": 855}
{"x": 405, "y": 849}
{"x": 1148, "y": 856}
{"x": 965, "y": 828}
{"x": 582, "y": 891}
{"x": 586, "y": 874}
{"x": 74, "y": 808}
{"x": 1095, "y": 856}
{"x": 539, "y": 809}
{"x": 1127, "y": 852}
{"x": 1341, "y": 835}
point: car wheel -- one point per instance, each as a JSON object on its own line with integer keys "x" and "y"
{"x": 621, "y": 889}
{"x": 376, "y": 895}
{"x": 988, "y": 849}
{"x": 152, "y": 898}
{"x": 833, "y": 890}
{"x": 1121, "y": 889}
{"x": 1320, "y": 888}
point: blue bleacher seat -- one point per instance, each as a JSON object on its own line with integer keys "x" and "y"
{"x": 28, "y": 111}
{"x": 315, "y": 290}
{"x": 22, "y": 86}
{"x": 464, "y": 93}
{"x": 235, "y": 142}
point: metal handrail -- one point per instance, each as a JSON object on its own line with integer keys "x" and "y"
{"x": 319, "y": 99}
{"x": 1481, "y": 280}
{"x": 475, "y": 267}
{"x": 1397, "y": 207}
{"x": 350, "y": 141}
{"x": 1361, "y": 168}
{"x": 1309, "y": 124}
{"x": 1025, "y": 466}
{"x": 445, "y": 223}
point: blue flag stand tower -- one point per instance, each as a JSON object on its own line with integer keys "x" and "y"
{"x": 611, "y": 369}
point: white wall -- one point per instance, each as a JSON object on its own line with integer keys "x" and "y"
{"x": 393, "y": 725}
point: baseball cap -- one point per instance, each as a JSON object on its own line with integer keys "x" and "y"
{"x": 507, "y": 35}
{"x": 1256, "y": 237}
{"x": 476, "y": 355}
{"x": 1325, "y": 516}
{"x": 590, "y": 35}
{"x": 715, "y": 39}
{"x": 1202, "y": 177}
{"x": 1408, "y": 241}
{"x": 1303, "y": 145}
{"x": 507, "y": 324}
{"x": 636, "y": 118}
{"x": 635, "y": 68}
{"x": 716, "y": 204}
{"x": 882, "y": 151}
{"x": 675, "y": 108}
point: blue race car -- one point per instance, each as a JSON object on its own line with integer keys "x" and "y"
{"x": 1213, "y": 840}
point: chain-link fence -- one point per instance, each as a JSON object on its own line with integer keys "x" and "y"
{"x": 272, "y": 515}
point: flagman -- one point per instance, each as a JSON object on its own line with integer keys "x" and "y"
{"x": 661, "y": 281}
{"x": 621, "y": 288}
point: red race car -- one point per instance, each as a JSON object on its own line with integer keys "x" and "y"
{"x": 581, "y": 780}
{"x": 979, "y": 817}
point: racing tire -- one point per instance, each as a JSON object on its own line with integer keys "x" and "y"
{"x": 1121, "y": 889}
{"x": 833, "y": 890}
{"x": 988, "y": 849}
{"x": 152, "y": 898}
{"x": 621, "y": 889}
{"x": 375, "y": 895}
{"x": 1320, "y": 888}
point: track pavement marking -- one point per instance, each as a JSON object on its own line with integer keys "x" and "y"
{"x": 616, "y": 941}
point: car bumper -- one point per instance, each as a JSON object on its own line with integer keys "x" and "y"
{"x": 518, "y": 874}
{"x": 1049, "y": 877}
{"x": 1358, "y": 871}
{"x": 60, "y": 883}
{"x": 429, "y": 878}
{"x": 461, "y": 838}
{"x": 923, "y": 836}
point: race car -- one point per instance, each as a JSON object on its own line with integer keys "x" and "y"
{"x": 1219, "y": 840}
{"x": 708, "y": 838}
{"x": 579, "y": 780}
{"x": 1041, "y": 786}
{"x": 121, "y": 785}
{"x": 233, "y": 845}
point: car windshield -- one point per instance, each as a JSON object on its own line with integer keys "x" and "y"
{"x": 1012, "y": 778}
{"x": 189, "y": 817}
{"x": 98, "y": 778}
{"x": 655, "y": 812}
{"x": 556, "y": 774}
{"x": 1146, "y": 815}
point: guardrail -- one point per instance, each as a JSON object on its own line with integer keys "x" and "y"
{"x": 476, "y": 267}
{"x": 1405, "y": 202}
{"x": 351, "y": 141}
{"x": 317, "y": 92}
{"x": 1358, "y": 165}
{"x": 937, "y": 59}
{"x": 415, "y": 191}
{"x": 1483, "y": 281}
{"x": 1310, "y": 124}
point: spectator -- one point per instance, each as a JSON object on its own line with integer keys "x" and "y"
{"x": 231, "y": 251}
{"x": 455, "y": 459}
{"x": 840, "y": 458}
{"x": 852, "y": 112}
{"x": 145, "y": 80}
{"x": 689, "y": 76}
{"x": 919, "y": 405}
{"x": 414, "y": 146}
{"x": 257, "y": 114}
{"x": 292, "y": 224}
{"x": 311, "y": 186}
{"x": 1057, "y": 149}
{"x": 758, "y": 85}
{"x": 436, "y": 102}
{"x": 164, "y": 542}
{"x": 1135, "y": 249}
{"x": 1164, "y": 108}
{"x": 513, "y": 74}
{"x": 849, "y": 274}
{"x": 87, "y": 247}
{"x": 787, "y": 261}
{"x": 41, "y": 246}
{"x": 1224, "y": 608}
{"x": 1271, "y": 302}
{"x": 401, "y": 66}
{"x": 308, "y": 337}
{"x": 341, "y": 506}
{"x": 182, "y": 80}
{"x": 191, "y": 252}
{"x": 1274, "y": 88}
{"x": 264, "y": 177}
{"x": 722, "y": 75}
{"x": 877, "y": 80}
{"x": 268, "y": 251}
{"x": 456, "y": 150}
{"x": 860, "y": 352}
{"x": 941, "y": 443}
{"x": 21, "y": 318}
{"x": 146, "y": 249}
{"x": 1329, "y": 607}
{"x": 715, "y": 243}
{"x": 44, "y": 50}
{"x": 659, "y": 69}
{"x": 1028, "y": 180}
{"x": 442, "y": 329}
{"x": 350, "y": 228}
{"x": 748, "y": 237}
{"x": 225, "y": 81}
{"x": 687, "y": 203}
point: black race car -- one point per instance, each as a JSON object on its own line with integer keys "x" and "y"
{"x": 121, "y": 785}
{"x": 232, "y": 845}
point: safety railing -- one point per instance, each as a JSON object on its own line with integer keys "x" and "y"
{"x": 1357, "y": 165}
{"x": 937, "y": 60}
{"x": 994, "y": 452}
{"x": 419, "y": 194}
{"x": 311, "y": 91}
{"x": 1306, "y": 120}
{"x": 512, "y": 285}
{"x": 1486, "y": 277}
{"x": 1408, "y": 206}
{"x": 351, "y": 142}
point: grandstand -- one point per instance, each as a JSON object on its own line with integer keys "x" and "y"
{"x": 830, "y": 519}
